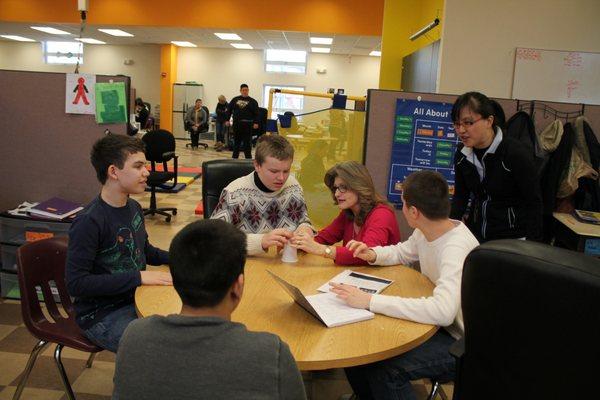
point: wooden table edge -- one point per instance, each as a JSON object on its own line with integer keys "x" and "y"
{"x": 364, "y": 360}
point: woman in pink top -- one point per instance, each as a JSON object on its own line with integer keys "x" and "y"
{"x": 365, "y": 216}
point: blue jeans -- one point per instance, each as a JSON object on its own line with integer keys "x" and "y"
{"x": 221, "y": 129}
{"x": 390, "y": 379}
{"x": 107, "y": 332}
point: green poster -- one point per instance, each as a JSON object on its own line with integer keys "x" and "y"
{"x": 110, "y": 103}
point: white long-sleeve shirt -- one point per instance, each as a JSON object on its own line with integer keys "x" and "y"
{"x": 442, "y": 262}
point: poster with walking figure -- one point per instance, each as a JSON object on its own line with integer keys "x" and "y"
{"x": 80, "y": 97}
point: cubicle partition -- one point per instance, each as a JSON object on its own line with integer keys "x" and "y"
{"x": 381, "y": 116}
{"x": 46, "y": 152}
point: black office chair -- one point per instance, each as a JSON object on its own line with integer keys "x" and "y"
{"x": 160, "y": 148}
{"x": 532, "y": 323}
{"x": 216, "y": 174}
{"x": 203, "y": 128}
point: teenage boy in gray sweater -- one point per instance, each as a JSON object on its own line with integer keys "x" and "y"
{"x": 200, "y": 353}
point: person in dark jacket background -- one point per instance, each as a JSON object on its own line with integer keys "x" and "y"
{"x": 141, "y": 112}
{"x": 221, "y": 123}
{"x": 244, "y": 110}
{"x": 494, "y": 175}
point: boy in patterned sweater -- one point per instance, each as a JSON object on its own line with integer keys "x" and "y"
{"x": 267, "y": 204}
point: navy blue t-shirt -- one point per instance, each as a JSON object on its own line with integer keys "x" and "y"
{"x": 108, "y": 247}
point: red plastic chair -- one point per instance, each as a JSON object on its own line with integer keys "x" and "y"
{"x": 39, "y": 264}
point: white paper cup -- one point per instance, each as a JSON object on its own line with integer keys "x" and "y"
{"x": 289, "y": 254}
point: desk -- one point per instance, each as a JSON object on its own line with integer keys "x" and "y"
{"x": 266, "y": 307}
{"x": 576, "y": 235}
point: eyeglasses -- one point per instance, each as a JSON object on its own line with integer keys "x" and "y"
{"x": 341, "y": 188}
{"x": 465, "y": 124}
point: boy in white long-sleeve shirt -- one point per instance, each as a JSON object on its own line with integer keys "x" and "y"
{"x": 441, "y": 246}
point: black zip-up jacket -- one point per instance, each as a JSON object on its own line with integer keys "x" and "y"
{"x": 507, "y": 202}
{"x": 222, "y": 112}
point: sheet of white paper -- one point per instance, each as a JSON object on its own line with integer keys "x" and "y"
{"x": 335, "y": 312}
{"x": 369, "y": 283}
{"x": 80, "y": 94}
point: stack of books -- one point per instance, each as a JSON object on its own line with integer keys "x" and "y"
{"x": 55, "y": 208}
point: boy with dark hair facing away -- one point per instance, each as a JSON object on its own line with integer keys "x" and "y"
{"x": 200, "y": 353}
{"x": 108, "y": 244}
{"x": 267, "y": 204}
{"x": 441, "y": 246}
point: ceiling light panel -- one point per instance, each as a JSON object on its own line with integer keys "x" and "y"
{"x": 183, "y": 44}
{"x": 321, "y": 40}
{"x": 244, "y": 46}
{"x": 50, "y": 30}
{"x": 320, "y": 49}
{"x": 17, "y": 38}
{"x": 228, "y": 36}
{"x": 375, "y": 53}
{"x": 90, "y": 41}
{"x": 116, "y": 32}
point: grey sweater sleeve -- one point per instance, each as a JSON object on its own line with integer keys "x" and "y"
{"x": 291, "y": 386}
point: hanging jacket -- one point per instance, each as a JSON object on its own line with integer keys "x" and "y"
{"x": 521, "y": 128}
{"x": 506, "y": 201}
{"x": 587, "y": 196}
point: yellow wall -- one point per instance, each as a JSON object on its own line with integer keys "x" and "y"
{"x": 401, "y": 19}
{"x": 352, "y": 17}
{"x": 168, "y": 71}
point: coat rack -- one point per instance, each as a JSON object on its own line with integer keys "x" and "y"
{"x": 532, "y": 106}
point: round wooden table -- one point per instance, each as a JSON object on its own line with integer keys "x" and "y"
{"x": 265, "y": 306}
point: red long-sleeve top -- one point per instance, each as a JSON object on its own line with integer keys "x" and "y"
{"x": 380, "y": 229}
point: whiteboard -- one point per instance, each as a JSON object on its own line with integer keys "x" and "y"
{"x": 553, "y": 75}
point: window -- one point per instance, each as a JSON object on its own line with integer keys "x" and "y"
{"x": 285, "y": 61}
{"x": 283, "y": 102}
{"x": 63, "y": 52}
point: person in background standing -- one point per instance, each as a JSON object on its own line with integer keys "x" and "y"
{"x": 221, "y": 124}
{"x": 244, "y": 110}
{"x": 195, "y": 119}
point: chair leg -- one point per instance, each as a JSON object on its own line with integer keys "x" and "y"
{"x": 436, "y": 388}
{"x": 435, "y": 385}
{"x": 63, "y": 373}
{"x": 90, "y": 360}
{"x": 41, "y": 345}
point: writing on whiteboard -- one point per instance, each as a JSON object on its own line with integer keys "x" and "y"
{"x": 572, "y": 85}
{"x": 529, "y": 54}
{"x": 573, "y": 60}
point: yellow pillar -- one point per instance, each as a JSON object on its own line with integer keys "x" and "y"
{"x": 402, "y": 18}
{"x": 168, "y": 76}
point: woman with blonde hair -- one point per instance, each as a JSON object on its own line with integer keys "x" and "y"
{"x": 365, "y": 216}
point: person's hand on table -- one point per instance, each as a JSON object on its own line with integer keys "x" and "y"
{"x": 352, "y": 295}
{"x": 277, "y": 237}
{"x": 361, "y": 250}
{"x": 163, "y": 278}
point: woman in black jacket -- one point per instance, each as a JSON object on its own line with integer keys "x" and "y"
{"x": 496, "y": 182}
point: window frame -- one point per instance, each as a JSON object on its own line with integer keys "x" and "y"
{"x": 283, "y": 64}
{"x": 276, "y": 111}
{"x": 77, "y": 57}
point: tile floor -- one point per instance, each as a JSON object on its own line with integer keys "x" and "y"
{"x": 96, "y": 383}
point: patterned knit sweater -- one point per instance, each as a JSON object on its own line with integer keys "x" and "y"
{"x": 256, "y": 212}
